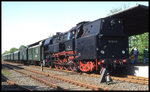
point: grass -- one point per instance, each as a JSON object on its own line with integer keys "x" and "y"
{"x": 5, "y": 72}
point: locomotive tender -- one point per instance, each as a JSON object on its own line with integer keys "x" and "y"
{"x": 89, "y": 46}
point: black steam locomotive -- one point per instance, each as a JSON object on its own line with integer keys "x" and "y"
{"x": 88, "y": 47}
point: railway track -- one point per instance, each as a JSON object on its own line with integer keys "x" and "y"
{"x": 128, "y": 78}
{"x": 33, "y": 76}
{"x": 14, "y": 86}
{"x": 91, "y": 87}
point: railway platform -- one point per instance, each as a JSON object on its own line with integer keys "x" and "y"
{"x": 140, "y": 70}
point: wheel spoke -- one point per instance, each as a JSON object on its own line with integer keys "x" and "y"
{"x": 56, "y": 66}
{"x": 66, "y": 68}
{"x": 61, "y": 67}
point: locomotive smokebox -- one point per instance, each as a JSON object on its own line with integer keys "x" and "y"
{"x": 112, "y": 41}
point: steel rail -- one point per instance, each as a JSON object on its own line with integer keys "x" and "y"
{"x": 15, "y": 84}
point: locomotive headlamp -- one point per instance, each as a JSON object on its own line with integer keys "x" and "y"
{"x": 102, "y": 51}
{"x": 123, "y": 52}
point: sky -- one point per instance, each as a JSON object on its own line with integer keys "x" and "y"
{"x": 24, "y": 23}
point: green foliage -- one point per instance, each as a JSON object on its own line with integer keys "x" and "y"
{"x": 5, "y": 72}
{"x": 114, "y": 10}
{"x": 12, "y": 50}
{"x": 22, "y": 47}
{"x": 6, "y": 52}
{"x": 140, "y": 40}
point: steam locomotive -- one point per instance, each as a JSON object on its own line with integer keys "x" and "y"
{"x": 87, "y": 47}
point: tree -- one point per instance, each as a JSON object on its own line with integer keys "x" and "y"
{"x": 114, "y": 10}
{"x": 13, "y": 50}
{"x": 22, "y": 47}
{"x": 6, "y": 52}
{"x": 140, "y": 40}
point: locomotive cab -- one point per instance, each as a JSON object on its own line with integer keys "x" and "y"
{"x": 69, "y": 43}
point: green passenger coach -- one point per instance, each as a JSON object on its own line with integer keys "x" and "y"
{"x": 35, "y": 55}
